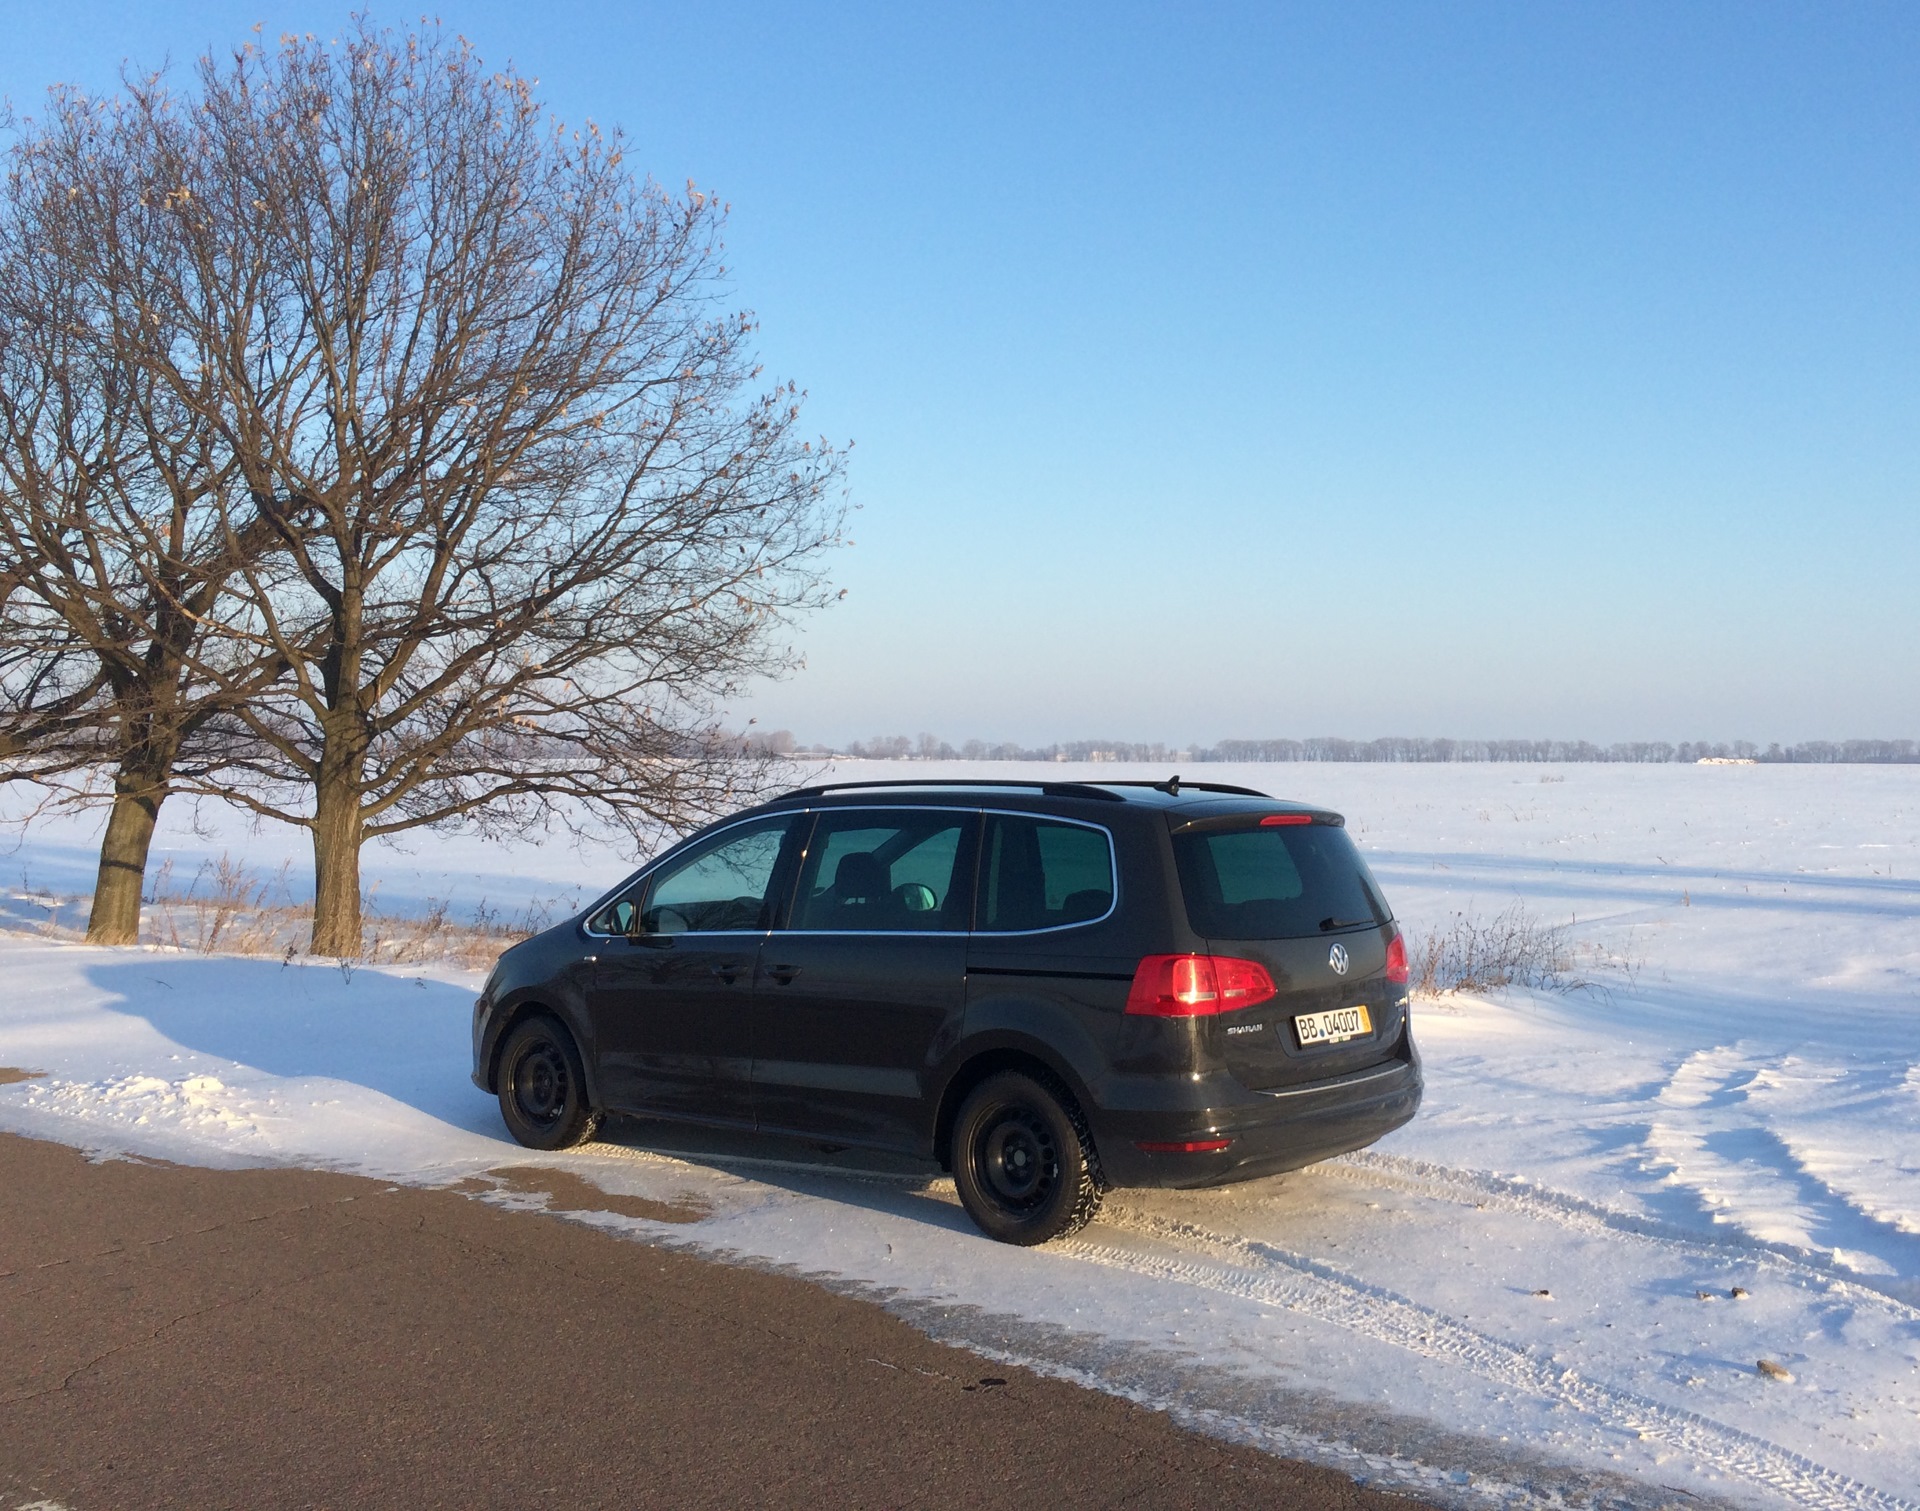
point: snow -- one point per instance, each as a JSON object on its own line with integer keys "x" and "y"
{"x": 1524, "y": 1297}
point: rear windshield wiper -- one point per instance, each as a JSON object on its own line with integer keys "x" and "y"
{"x": 1327, "y": 925}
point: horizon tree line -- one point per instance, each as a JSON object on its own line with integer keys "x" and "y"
{"x": 928, "y": 747}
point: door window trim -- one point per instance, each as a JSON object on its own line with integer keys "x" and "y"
{"x": 784, "y": 908}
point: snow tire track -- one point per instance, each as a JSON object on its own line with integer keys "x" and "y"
{"x": 1263, "y": 1273}
{"x": 1480, "y": 1188}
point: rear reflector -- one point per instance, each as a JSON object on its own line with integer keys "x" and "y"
{"x": 1195, "y": 986}
{"x": 1397, "y": 960}
{"x": 1199, "y": 1146}
{"x": 1273, "y": 819}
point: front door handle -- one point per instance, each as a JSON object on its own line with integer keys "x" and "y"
{"x": 727, "y": 970}
{"x": 783, "y": 973}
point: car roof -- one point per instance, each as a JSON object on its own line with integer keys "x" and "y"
{"x": 1187, "y": 799}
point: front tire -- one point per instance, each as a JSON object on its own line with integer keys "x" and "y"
{"x": 543, "y": 1087}
{"x": 1023, "y": 1160}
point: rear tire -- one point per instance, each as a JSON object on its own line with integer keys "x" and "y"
{"x": 543, "y": 1087}
{"x": 1023, "y": 1160}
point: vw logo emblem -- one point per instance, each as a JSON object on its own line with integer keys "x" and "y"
{"x": 1337, "y": 958}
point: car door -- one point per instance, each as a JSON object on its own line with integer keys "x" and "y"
{"x": 673, "y": 979}
{"x": 864, "y": 982}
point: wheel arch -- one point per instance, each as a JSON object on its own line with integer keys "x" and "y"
{"x": 989, "y": 1060}
{"x": 538, "y": 1007}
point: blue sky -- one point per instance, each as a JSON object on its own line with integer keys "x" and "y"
{"x": 1477, "y": 370}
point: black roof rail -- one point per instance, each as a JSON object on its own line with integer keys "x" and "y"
{"x": 1050, "y": 789}
{"x": 1174, "y": 786}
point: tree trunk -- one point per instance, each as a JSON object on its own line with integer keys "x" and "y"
{"x": 337, "y": 832}
{"x": 115, "y": 917}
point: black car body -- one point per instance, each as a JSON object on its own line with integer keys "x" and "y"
{"x": 1205, "y": 980}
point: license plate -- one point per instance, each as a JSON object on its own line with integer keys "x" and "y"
{"x": 1335, "y": 1026}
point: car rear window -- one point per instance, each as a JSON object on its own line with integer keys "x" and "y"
{"x": 1275, "y": 883}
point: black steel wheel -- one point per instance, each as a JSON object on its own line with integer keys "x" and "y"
{"x": 543, "y": 1089}
{"x": 1023, "y": 1161}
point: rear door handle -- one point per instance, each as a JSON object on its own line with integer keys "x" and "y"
{"x": 783, "y": 973}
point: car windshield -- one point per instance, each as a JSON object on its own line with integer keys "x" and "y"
{"x": 1281, "y": 882}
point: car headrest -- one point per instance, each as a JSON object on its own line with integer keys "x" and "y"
{"x": 859, "y": 876}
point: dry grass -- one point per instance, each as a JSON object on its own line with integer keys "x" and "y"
{"x": 1508, "y": 951}
{"x": 1511, "y": 949}
{"x": 229, "y": 910}
{"x": 224, "y": 909}
{"x": 436, "y": 936}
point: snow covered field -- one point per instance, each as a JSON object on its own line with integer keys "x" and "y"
{"x": 1524, "y": 1297}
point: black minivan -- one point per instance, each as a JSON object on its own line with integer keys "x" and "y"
{"x": 1049, "y": 987}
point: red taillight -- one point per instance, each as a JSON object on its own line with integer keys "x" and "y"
{"x": 1242, "y": 983}
{"x": 1192, "y": 986}
{"x": 1198, "y": 1146}
{"x": 1397, "y": 960}
{"x": 1274, "y": 819}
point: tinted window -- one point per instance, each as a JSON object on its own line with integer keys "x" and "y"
{"x": 893, "y": 871}
{"x": 616, "y": 917}
{"x": 1276, "y": 883}
{"x": 1039, "y": 874}
{"x": 722, "y": 885}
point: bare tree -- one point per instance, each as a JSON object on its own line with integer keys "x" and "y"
{"x": 532, "y": 521}
{"x": 51, "y": 693}
{"x": 115, "y": 542}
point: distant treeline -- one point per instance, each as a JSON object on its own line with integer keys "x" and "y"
{"x": 1811, "y": 752}
{"x": 932, "y": 748}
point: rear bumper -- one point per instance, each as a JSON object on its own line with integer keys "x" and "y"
{"x": 1268, "y": 1134}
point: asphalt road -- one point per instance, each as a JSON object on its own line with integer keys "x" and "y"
{"x": 193, "y": 1338}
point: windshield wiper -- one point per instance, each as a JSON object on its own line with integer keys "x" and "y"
{"x": 1327, "y": 925}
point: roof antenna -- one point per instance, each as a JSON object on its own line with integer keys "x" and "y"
{"x": 1171, "y": 786}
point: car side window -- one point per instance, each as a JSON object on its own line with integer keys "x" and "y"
{"x": 721, "y": 886}
{"x": 616, "y": 917}
{"x": 887, "y": 871}
{"x": 1038, "y": 873}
